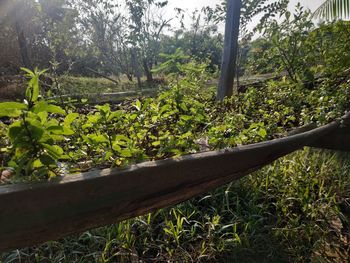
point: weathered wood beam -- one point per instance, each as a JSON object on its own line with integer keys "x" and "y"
{"x": 338, "y": 140}
{"x": 37, "y": 212}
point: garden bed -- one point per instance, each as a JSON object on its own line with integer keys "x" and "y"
{"x": 80, "y": 202}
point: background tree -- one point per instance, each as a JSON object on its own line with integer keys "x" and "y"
{"x": 288, "y": 39}
{"x": 146, "y": 26}
{"x": 20, "y": 16}
{"x": 105, "y": 28}
{"x": 200, "y": 39}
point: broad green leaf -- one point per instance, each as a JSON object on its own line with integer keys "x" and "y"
{"x": 70, "y": 118}
{"x": 125, "y": 153}
{"x": 54, "y": 150}
{"x": 55, "y": 138}
{"x": 20, "y": 134}
{"x": 108, "y": 155}
{"x": 262, "y": 132}
{"x": 138, "y": 105}
{"x": 13, "y": 113}
{"x": 94, "y": 118}
{"x": 48, "y": 139}
{"x": 32, "y": 92}
{"x": 37, "y": 163}
{"x": 11, "y": 109}
{"x": 43, "y": 106}
{"x": 100, "y": 138}
{"x": 132, "y": 117}
{"x": 183, "y": 106}
{"x": 116, "y": 147}
{"x": 36, "y": 132}
{"x": 67, "y": 131}
{"x": 43, "y": 116}
{"x": 156, "y": 143}
{"x": 47, "y": 159}
{"x": 186, "y": 117}
{"x": 115, "y": 115}
{"x": 104, "y": 108}
{"x": 164, "y": 109}
{"x": 121, "y": 137}
{"x": 154, "y": 119}
{"x": 55, "y": 129}
{"x": 14, "y": 131}
{"x": 13, "y": 105}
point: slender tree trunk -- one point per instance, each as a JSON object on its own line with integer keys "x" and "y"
{"x": 23, "y": 46}
{"x": 229, "y": 55}
{"x": 238, "y": 67}
{"x": 129, "y": 76}
{"x": 148, "y": 72}
{"x": 136, "y": 69}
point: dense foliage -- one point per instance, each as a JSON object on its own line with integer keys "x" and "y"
{"x": 295, "y": 46}
{"x": 178, "y": 121}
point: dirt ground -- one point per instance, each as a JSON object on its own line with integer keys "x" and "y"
{"x": 11, "y": 87}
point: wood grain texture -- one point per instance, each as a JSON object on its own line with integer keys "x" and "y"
{"x": 34, "y": 213}
{"x": 338, "y": 140}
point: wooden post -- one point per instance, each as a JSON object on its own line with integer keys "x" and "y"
{"x": 229, "y": 55}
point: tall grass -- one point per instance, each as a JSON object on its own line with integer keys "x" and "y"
{"x": 295, "y": 210}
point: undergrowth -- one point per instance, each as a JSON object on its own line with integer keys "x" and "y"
{"x": 39, "y": 137}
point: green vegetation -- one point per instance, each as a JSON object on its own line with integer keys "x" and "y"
{"x": 294, "y": 210}
{"x": 85, "y": 85}
{"x": 168, "y": 125}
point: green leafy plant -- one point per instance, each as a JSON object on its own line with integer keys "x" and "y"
{"x": 33, "y": 136}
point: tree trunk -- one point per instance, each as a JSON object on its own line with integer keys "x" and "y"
{"x": 148, "y": 71}
{"x": 23, "y": 46}
{"x": 129, "y": 76}
{"x": 135, "y": 67}
{"x": 229, "y": 55}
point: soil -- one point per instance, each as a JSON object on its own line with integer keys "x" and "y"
{"x": 12, "y": 87}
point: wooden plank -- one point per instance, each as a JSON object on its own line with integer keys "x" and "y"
{"x": 34, "y": 213}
